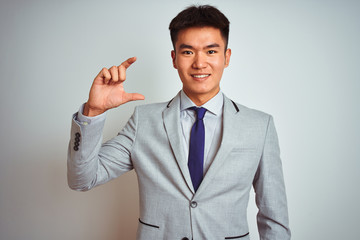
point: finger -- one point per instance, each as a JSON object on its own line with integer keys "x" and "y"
{"x": 104, "y": 75}
{"x": 122, "y": 73}
{"x": 114, "y": 73}
{"x": 133, "y": 97}
{"x": 123, "y": 66}
{"x": 128, "y": 62}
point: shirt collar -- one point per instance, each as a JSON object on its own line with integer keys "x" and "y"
{"x": 214, "y": 105}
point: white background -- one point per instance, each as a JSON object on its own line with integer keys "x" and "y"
{"x": 297, "y": 60}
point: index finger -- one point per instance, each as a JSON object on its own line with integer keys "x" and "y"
{"x": 128, "y": 62}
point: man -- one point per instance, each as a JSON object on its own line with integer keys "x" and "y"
{"x": 196, "y": 156}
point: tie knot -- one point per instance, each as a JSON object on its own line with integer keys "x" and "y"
{"x": 200, "y": 112}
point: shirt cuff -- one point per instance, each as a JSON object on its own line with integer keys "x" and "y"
{"x": 85, "y": 120}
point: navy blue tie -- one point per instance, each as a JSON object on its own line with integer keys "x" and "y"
{"x": 196, "y": 149}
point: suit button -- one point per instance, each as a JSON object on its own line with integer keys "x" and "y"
{"x": 193, "y": 204}
{"x": 77, "y": 134}
{"x": 76, "y": 148}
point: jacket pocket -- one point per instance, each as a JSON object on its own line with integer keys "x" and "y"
{"x": 237, "y": 237}
{"x": 147, "y": 224}
{"x": 243, "y": 149}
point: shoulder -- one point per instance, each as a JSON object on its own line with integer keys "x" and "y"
{"x": 152, "y": 107}
{"x": 250, "y": 116}
{"x": 158, "y": 108}
{"x": 252, "y": 112}
{"x": 244, "y": 110}
{"x": 151, "y": 110}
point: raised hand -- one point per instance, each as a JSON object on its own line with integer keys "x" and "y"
{"x": 107, "y": 90}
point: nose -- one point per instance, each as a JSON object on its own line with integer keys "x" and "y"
{"x": 199, "y": 61}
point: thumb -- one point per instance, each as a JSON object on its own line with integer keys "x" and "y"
{"x": 133, "y": 97}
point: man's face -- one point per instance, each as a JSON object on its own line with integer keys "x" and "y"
{"x": 200, "y": 59}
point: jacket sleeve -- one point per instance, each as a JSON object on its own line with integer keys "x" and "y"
{"x": 272, "y": 218}
{"x": 91, "y": 163}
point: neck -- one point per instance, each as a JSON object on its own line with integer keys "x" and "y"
{"x": 200, "y": 99}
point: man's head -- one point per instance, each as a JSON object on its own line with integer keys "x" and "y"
{"x": 200, "y": 52}
{"x": 199, "y": 16}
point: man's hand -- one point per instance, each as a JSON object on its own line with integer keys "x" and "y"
{"x": 107, "y": 90}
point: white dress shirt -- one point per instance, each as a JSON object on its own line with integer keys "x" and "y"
{"x": 213, "y": 121}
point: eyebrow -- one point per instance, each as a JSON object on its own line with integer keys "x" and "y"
{"x": 213, "y": 45}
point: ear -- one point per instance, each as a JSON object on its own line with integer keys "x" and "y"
{"x": 173, "y": 56}
{"x": 227, "y": 57}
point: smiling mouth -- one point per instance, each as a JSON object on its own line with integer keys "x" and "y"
{"x": 200, "y": 75}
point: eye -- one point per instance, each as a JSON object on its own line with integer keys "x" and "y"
{"x": 186, "y": 52}
{"x": 211, "y": 51}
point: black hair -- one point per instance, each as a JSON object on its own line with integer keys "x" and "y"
{"x": 200, "y": 16}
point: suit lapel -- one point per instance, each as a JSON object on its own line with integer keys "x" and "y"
{"x": 229, "y": 138}
{"x": 171, "y": 118}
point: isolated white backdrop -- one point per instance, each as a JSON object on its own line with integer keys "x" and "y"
{"x": 297, "y": 60}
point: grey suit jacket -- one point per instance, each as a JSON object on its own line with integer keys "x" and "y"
{"x": 151, "y": 142}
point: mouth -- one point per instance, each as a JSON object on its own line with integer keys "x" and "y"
{"x": 200, "y": 76}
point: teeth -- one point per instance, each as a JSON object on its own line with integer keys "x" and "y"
{"x": 200, "y": 76}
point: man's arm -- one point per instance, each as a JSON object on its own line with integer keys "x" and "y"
{"x": 272, "y": 218}
{"x": 89, "y": 162}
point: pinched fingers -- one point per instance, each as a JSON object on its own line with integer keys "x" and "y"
{"x": 115, "y": 74}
